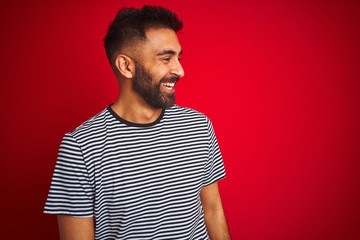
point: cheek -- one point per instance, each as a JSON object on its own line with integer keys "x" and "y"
{"x": 159, "y": 72}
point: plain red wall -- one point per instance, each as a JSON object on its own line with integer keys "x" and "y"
{"x": 279, "y": 80}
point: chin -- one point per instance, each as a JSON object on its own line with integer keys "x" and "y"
{"x": 168, "y": 102}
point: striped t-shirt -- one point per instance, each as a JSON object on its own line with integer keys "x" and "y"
{"x": 138, "y": 181}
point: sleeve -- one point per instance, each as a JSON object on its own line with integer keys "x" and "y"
{"x": 214, "y": 167}
{"x": 71, "y": 192}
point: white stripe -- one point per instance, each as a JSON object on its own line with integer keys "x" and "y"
{"x": 138, "y": 182}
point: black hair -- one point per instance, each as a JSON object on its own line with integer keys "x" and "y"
{"x": 130, "y": 24}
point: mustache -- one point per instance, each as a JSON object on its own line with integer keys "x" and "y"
{"x": 169, "y": 79}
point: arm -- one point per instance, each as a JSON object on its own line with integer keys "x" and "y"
{"x": 213, "y": 213}
{"x": 75, "y": 228}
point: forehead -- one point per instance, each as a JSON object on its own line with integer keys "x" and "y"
{"x": 160, "y": 39}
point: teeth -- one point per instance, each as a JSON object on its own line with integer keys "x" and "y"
{"x": 169, "y": 84}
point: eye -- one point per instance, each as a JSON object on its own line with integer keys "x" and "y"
{"x": 166, "y": 59}
{"x": 179, "y": 59}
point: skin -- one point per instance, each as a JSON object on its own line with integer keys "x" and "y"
{"x": 214, "y": 213}
{"x": 160, "y": 57}
{"x": 74, "y": 228}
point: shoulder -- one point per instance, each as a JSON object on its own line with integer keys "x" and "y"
{"x": 93, "y": 125}
{"x": 183, "y": 112}
{"x": 187, "y": 116}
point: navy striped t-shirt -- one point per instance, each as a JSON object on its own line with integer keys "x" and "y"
{"x": 138, "y": 181}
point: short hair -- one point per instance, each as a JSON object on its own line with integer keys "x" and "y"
{"x": 130, "y": 24}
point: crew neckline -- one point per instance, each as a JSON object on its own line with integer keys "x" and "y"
{"x": 135, "y": 124}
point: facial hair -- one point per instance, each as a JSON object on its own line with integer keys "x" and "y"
{"x": 144, "y": 85}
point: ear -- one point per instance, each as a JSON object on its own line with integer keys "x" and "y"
{"x": 125, "y": 65}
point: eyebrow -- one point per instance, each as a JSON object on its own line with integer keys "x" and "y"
{"x": 171, "y": 52}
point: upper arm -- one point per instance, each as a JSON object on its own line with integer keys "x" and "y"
{"x": 71, "y": 182}
{"x": 210, "y": 197}
{"x": 214, "y": 215}
{"x": 75, "y": 228}
{"x": 214, "y": 166}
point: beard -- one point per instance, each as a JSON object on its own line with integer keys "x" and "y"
{"x": 144, "y": 85}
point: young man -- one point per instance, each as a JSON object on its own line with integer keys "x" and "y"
{"x": 143, "y": 168}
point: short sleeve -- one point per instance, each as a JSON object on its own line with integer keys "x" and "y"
{"x": 214, "y": 167}
{"x": 71, "y": 192}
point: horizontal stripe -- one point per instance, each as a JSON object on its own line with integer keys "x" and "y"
{"x": 138, "y": 181}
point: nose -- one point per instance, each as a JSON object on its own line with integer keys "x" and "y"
{"x": 178, "y": 70}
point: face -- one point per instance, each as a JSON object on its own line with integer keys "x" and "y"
{"x": 150, "y": 90}
{"x": 159, "y": 69}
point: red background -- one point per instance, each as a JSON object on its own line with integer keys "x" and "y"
{"x": 279, "y": 80}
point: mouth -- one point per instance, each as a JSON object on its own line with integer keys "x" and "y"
{"x": 169, "y": 86}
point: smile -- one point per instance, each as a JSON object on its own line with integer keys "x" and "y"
{"x": 168, "y": 85}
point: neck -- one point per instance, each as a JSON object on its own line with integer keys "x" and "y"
{"x": 131, "y": 107}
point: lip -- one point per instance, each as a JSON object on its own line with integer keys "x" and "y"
{"x": 168, "y": 87}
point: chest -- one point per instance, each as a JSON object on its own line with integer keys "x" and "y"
{"x": 149, "y": 166}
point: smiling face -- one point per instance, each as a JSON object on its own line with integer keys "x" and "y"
{"x": 159, "y": 69}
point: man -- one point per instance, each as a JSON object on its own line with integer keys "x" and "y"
{"x": 143, "y": 168}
